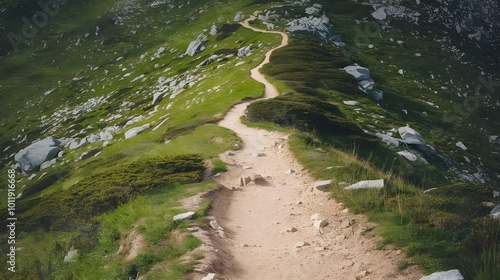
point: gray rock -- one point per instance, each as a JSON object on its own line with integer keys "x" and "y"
{"x": 93, "y": 138}
{"x": 244, "y": 51}
{"x": 379, "y": 14}
{"x": 360, "y": 73}
{"x": 106, "y": 136}
{"x": 184, "y": 216}
{"x": 214, "y": 224}
{"x": 61, "y": 153}
{"x": 90, "y": 153}
{"x": 410, "y": 136}
{"x": 301, "y": 244}
{"x": 315, "y": 216}
{"x": 71, "y": 254}
{"x": 445, "y": 275}
{"x": 136, "y": 130}
{"x": 389, "y": 140}
{"x": 370, "y": 184}
{"x": 320, "y": 224}
{"x": 210, "y": 276}
{"x": 323, "y": 185}
{"x": 377, "y": 95}
{"x": 47, "y": 164}
{"x": 239, "y": 16}
{"x": 76, "y": 144}
{"x": 214, "y": 30}
{"x": 197, "y": 45}
{"x": 157, "y": 97}
{"x": 495, "y": 212}
{"x": 209, "y": 60}
{"x": 244, "y": 180}
{"x": 35, "y": 154}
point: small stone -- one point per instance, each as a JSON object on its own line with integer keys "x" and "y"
{"x": 193, "y": 229}
{"x": 345, "y": 224}
{"x": 291, "y": 229}
{"x": 340, "y": 237}
{"x": 323, "y": 185}
{"x": 301, "y": 244}
{"x": 214, "y": 224}
{"x": 299, "y": 202}
{"x": 315, "y": 216}
{"x": 184, "y": 216}
{"x": 261, "y": 155}
{"x": 319, "y": 249}
{"x": 244, "y": 245}
{"x": 210, "y": 276}
{"x": 289, "y": 171}
{"x": 320, "y": 224}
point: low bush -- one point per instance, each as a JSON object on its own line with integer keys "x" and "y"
{"x": 104, "y": 191}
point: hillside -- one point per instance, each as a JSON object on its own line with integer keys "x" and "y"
{"x": 113, "y": 117}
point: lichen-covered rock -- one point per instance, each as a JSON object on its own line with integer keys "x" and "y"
{"x": 197, "y": 45}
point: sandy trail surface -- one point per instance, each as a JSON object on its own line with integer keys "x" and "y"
{"x": 266, "y": 221}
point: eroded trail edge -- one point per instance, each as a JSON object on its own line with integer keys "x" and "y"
{"x": 266, "y": 210}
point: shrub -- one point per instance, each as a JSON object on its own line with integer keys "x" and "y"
{"x": 106, "y": 190}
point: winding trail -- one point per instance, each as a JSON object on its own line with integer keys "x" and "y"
{"x": 256, "y": 217}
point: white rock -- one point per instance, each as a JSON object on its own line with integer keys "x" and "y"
{"x": 379, "y": 14}
{"x": 408, "y": 155}
{"x": 71, "y": 254}
{"x": 106, "y": 136}
{"x": 213, "y": 30}
{"x": 461, "y": 146}
{"x": 93, "y": 138}
{"x": 196, "y": 45}
{"x": 214, "y": 224}
{"x": 389, "y": 140}
{"x": 351, "y": 103}
{"x": 323, "y": 185}
{"x": 184, "y": 216}
{"x": 301, "y": 244}
{"x": 47, "y": 164}
{"x": 320, "y": 224}
{"x": 495, "y": 212}
{"x": 370, "y": 46}
{"x": 136, "y": 130}
{"x": 210, "y": 276}
{"x": 360, "y": 73}
{"x": 315, "y": 216}
{"x": 369, "y": 184}
{"x": 445, "y": 275}
{"x": 239, "y": 16}
{"x": 401, "y": 71}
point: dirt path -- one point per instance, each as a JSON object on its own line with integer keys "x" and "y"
{"x": 264, "y": 220}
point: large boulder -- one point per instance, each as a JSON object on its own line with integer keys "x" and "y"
{"x": 410, "y": 136}
{"x": 389, "y": 140}
{"x": 214, "y": 30}
{"x": 239, "y": 16}
{"x": 35, "y": 154}
{"x": 370, "y": 184}
{"x": 197, "y": 45}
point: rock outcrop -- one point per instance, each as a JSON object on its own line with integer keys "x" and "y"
{"x": 197, "y": 45}
{"x": 35, "y": 154}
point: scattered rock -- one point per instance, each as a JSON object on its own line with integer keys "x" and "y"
{"x": 93, "y": 138}
{"x": 72, "y": 253}
{"x": 412, "y": 137}
{"x": 210, "y": 276}
{"x": 408, "y": 155}
{"x": 301, "y": 244}
{"x": 35, "y": 154}
{"x": 90, "y": 153}
{"x": 192, "y": 229}
{"x": 379, "y": 14}
{"x": 244, "y": 51}
{"x": 214, "y": 30}
{"x": 290, "y": 171}
{"x": 461, "y": 146}
{"x": 351, "y": 102}
{"x": 320, "y": 224}
{"x": 239, "y": 16}
{"x": 261, "y": 155}
{"x": 360, "y": 73}
{"x": 244, "y": 180}
{"x": 291, "y": 229}
{"x": 315, "y": 216}
{"x": 370, "y": 184}
{"x": 323, "y": 185}
{"x": 444, "y": 275}
{"x": 184, "y": 216}
{"x": 345, "y": 224}
{"x": 135, "y": 131}
{"x": 197, "y": 45}
{"x": 47, "y": 164}
{"x": 215, "y": 225}
{"x": 495, "y": 212}
{"x": 389, "y": 140}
